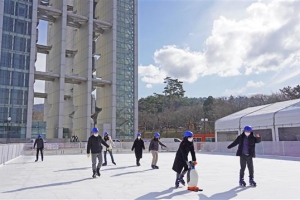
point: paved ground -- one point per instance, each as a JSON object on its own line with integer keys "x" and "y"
{"x": 69, "y": 177}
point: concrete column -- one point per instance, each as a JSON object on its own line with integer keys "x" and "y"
{"x": 136, "y": 101}
{"x": 83, "y": 67}
{"x": 56, "y": 63}
{"x": 1, "y": 20}
{"x": 106, "y": 67}
{"x": 31, "y": 68}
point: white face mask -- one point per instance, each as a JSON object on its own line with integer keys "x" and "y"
{"x": 247, "y": 133}
{"x": 190, "y": 139}
{"x": 139, "y": 137}
{"x": 96, "y": 134}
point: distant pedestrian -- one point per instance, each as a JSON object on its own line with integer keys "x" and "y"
{"x": 153, "y": 148}
{"x": 246, "y": 150}
{"x": 138, "y": 147}
{"x": 94, "y": 146}
{"x": 39, "y": 143}
{"x": 111, "y": 144}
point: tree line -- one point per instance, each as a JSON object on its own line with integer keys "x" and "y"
{"x": 171, "y": 110}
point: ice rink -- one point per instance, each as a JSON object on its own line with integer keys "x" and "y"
{"x": 69, "y": 177}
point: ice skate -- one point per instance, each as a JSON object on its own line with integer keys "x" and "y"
{"x": 94, "y": 174}
{"x": 177, "y": 183}
{"x": 98, "y": 172}
{"x": 252, "y": 182}
{"x": 181, "y": 180}
{"x": 242, "y": 182}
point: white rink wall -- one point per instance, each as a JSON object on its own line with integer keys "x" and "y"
{"x": 284, "y": 148}
{"x": 10, "y": 151}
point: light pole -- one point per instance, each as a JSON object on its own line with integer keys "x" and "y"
{"x": 204, "y": 120}
{"x": 7, "y": 130}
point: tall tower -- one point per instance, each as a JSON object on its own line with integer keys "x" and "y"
{"x": 91, "y": 48}
{"x": 91, "y": 45}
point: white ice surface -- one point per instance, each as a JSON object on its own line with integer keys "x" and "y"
{"x": 69, "y": 177}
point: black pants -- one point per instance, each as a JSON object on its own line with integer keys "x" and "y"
{"x": 246, "y": 160}
{"x": 37, "y": 153}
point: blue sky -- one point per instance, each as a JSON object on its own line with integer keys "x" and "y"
{"x": 216, "y": 47}
{"x": 219, "y": 48}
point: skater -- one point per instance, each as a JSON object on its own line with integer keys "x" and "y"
{"x": 246, "y": 151}
{"x": 94, "y": 146}
{"x": 39, "y": 142}
{"x": 181, "y": 164}
{"x": 138, "y": 146}
{"x": 109, "y": 141}
{"x": 153, "y": 148}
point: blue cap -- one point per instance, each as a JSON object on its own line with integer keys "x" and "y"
{"x": 105, "y": 133}
{"x": 39, "y": 135}
{"x": 156, "y": 135}
{"x": 248, "y": 128}
{"x": 188, "y": 134}
{"x": 139, "y": 135}
{"x": 95, "y": 130}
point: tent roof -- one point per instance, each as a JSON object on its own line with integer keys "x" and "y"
{"x": 259, "y": 116}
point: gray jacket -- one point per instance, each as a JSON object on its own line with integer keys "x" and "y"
{"x": 154, "y": 145}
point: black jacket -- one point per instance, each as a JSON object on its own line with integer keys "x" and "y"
{"x": 39, "y": 142}
{"x": 138, "y": 146}
{"x": 94, "y": 144}
{"x": 240, "y": 140}
{"x": 182, "y": 155}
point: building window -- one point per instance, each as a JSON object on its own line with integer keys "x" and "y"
{"x": 4, "y": 97}
{"x": 6, "y": 41}
{"x": 4, "y": 77}
{"x": 19, "y": 43}
{"x": 16, "y": 97}
{"x": 21, "y": 10}
{"x": 5, "y": 59}
{"x": 8, "y": 24}
{"x": 9, "y": 7}
{"x": 3, "y": 113}
{"x": 20, "y": 26}
{"x": 18, "y": 61}
{"x": 17, "y": 79}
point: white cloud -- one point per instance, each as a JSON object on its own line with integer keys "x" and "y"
{"x": 266, "y": 39}
{"x": 255, "y": 84}
{"x": 149, "y": 85}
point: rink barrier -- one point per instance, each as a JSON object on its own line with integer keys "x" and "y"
{"x": 284, "y": 148}
{"x": 281, "y": 148}
{"x": 10, "y": 151}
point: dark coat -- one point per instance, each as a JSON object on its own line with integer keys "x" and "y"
{"x": 39, "y": 142}
{"x": 94, "y": 144}
{"x": 138, "y": 146}
{"x": 240, "y": 140}
{"x": 182, "y": 155}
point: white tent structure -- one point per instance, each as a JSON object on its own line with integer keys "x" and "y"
{"x": 274, "y": 122}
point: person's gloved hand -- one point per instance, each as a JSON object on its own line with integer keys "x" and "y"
{"x": 195, "y": 163}
{"x": 109, "y": 149}
{"x": 88, "y": 155}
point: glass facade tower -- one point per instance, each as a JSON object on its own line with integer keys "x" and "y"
{"x": 14, "y": 67}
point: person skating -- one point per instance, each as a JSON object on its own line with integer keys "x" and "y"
{"x": 39, "y": 143}
{"x": 138, "y": 146}
{"x": 153, "y": 148}
{"x": 246, "y": 151}
{"x": 94, "y": 146}
{"x": 181, "y": 165}
{"x": 109, "y": 141}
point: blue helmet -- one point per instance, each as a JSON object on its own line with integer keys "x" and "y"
{"x": 248, "y": 128}
{"x": 39, "y": 135}
{"x": 138, "y": 135}
{"x": 95, "y": 130}
{"x": 105, "y": 133}
{"x": 188, "y": 134}
{"x": 156, "y": 135}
